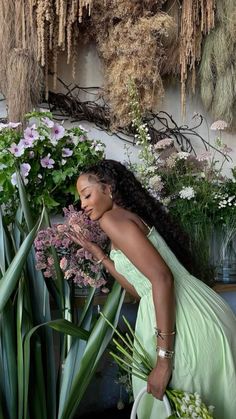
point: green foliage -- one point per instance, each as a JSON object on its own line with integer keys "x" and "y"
{"x": 39, "y": 380}
{"x": 49, "y": 159}
{"x": 193, "y": 188}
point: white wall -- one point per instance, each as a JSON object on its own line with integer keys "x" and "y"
{"x": 90, "y": 73}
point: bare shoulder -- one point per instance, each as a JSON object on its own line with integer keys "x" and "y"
{"x": 114, "y": 218}
{"x": 119, "y": 222}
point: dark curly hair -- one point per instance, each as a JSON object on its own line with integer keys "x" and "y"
{"x": 128, "y": 193}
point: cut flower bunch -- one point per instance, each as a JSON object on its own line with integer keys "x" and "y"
{"x": 76, "y": 263}
{"x": 131, "y": 356}
{"x": 48, "y": 157}
{"x": 192, "y": 187}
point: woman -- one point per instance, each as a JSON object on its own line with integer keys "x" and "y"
{"x": 187, "y": 328}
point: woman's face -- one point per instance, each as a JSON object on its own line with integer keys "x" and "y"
{"x": 95, "y": 197}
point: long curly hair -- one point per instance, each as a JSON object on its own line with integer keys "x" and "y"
{"x": 128, "y": 193}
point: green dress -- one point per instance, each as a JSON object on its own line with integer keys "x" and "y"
{"x": 205, "y": 343}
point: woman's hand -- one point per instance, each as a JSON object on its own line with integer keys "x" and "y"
{"x": 77, "y": 236}
{"x": 159, "y": 378}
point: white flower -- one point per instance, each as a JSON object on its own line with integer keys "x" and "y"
{"x": 156, "y": 183}
{"x": 182, "y": 155}
{"x": 187, "y": 192}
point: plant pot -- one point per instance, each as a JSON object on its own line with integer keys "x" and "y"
{"x": 83, "y": 291}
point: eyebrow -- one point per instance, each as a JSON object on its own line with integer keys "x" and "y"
{"x": 84, "y": 188}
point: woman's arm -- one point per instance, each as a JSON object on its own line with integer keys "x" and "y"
{"x": 98, "y": 254}
{"x": 127, "y": 236}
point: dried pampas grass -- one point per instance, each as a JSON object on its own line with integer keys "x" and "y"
{"x": 218, "y": 67}
{"x": 132, "y": 40}
{"x": 20, "y": 73}
{"x": 24, "y": 79}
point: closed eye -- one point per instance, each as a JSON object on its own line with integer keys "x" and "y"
{"x": 87, "y": 196}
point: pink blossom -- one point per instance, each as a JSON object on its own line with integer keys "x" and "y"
{"x": 57, "y": 132}
{"x": 46, "y": 162}
{"x": 204, "y": 156}
{"x": 31, "y": 134}
{"x": 162, "y": 144}
{"x": 63, "y": 263}
{"x": 218, "y": 125}
{"x": 67, "y": 152}
{"x": 16, "y": 150}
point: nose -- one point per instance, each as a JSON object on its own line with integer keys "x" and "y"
{"x": 83, "y": 204}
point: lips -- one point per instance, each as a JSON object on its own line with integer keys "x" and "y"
{"x": 88, "y": 213}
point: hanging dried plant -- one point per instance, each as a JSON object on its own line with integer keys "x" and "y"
{"x": 57, "y": 30}
{"x": 218, "y": 66}
{"x": 20, "y": 74}
{"x": 197, "y": 19}
{"x": 131, "y": 38}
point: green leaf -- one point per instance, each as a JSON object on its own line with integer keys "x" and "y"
{"x": 13, "y": 273}
{"x": 97, "y": 343}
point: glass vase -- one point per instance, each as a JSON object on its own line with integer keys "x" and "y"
{"x": 224, "y": 254}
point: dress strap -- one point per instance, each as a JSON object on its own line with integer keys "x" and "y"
{"x": 149, "y": 228}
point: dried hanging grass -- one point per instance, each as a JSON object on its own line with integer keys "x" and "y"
{"x": 20, "y": 74}
{"x": 24, "y": 86}
{"x": 218, "y": 68}
{"x": 197, "y": 19}
{"x": 132, "y": 46}
{"x": 57, "y": 30}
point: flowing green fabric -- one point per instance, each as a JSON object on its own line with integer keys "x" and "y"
{"x": 205, "y": 343}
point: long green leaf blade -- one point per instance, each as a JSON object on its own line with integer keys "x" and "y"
{"x": 13, "y": 273}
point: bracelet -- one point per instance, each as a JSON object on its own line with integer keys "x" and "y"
{"x": 164, "y": 353}
{"x": 160, "y": 334}
{"x": 101, "y": 260}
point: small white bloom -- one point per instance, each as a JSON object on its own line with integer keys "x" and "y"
{"x": 182, "y": 155}
{"x": 187, "y": 192}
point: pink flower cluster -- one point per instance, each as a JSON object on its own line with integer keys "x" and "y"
{"x": 76, "y": 263}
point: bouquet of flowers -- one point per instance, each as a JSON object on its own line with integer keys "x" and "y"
{"x": 131, "y": 356}
{"x": 76, "y": 263}
{"x": 194, "y": 190}
{"x": 48, "y": 157}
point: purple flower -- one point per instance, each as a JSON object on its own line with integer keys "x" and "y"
{"x": 57, "y": 132}
{"x": 48, "y": 122}
{"x": 31, "y": 134}
{"x": 46, "y": 162}
{"x": 67, "y": 152}
{"x": 24, "y": 171}
{"x": 26, "y": 142}
{"x": 9, "y": 125}
{"x": 16, "y": 150}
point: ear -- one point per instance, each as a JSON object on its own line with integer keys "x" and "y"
{"x": 106, "y": 189}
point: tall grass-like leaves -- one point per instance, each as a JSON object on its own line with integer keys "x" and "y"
{"x": 13, "y": 273}
{"x": 97, "y": 343}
